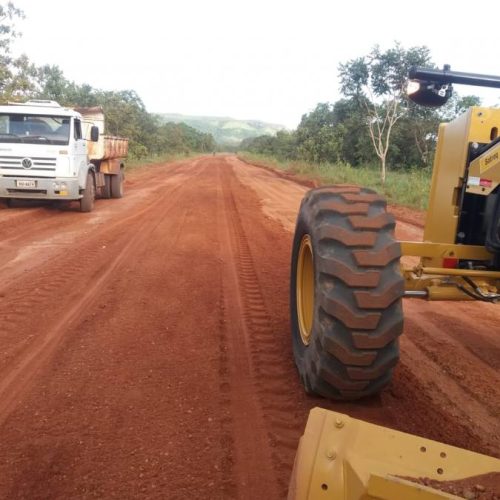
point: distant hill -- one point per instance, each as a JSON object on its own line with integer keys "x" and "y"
{"x": 224, "y": 130}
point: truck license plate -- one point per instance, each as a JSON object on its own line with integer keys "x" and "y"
{"x": 26, "y": 184}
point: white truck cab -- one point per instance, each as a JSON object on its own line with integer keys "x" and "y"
{"x": 55, "y": 153}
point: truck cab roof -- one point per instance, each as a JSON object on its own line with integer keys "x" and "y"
{"x": 38, "y": 107}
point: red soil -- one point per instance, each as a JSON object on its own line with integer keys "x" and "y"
{"x": 145, "y": 350}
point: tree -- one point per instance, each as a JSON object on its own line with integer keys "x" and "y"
{"x": 377, "y": 83}
{"x": 356, "y": 148}
{"x": 419, "y": 128}
{"x": 8, "y": 14}
{"x": 458, "y": 105}
{"x": 318, "y": 139}
{"x": 21, "y": 84}
{"x": 53, "y": 85}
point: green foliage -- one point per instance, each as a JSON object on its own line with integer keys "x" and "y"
{"x": 374, "y": 123}
{"x": 227, "y": 132}
{"x": 282, "y": 145}
{"x": 126, "y": 116}
{"x": 377, "y": 83}
{"x": 133, "y": 163}
{"x": 14, "y": 72}
{"x": 409, "y": 188}
{"x": 8, "y": 13}
{"x": 125, "y": 113}
{"x": 318, "y": 139}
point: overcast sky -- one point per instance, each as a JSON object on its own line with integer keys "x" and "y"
{"x": 270, "y": 60}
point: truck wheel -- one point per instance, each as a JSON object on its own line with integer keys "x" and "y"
{"x": 87, "y": 202}
{"x": 117, "y": 185}
{"x": 346, "y": 293}
{"x": 106, "y": 189}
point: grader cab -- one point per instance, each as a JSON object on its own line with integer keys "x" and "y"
{"x": 347, "y": 286}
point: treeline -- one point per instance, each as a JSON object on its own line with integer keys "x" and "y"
{"x": 374, "y": 123}
{"x": 125, "y": 113}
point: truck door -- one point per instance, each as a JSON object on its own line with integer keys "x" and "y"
{"x": 79, "y": 151}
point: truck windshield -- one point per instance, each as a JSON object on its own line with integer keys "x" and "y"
{"x": 34, "y": 129}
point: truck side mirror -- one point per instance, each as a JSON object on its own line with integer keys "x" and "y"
{"x": 94, "y": 133}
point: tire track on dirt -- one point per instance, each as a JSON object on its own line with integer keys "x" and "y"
{"x": 456, "y": 389}
{"x": 459, "y": 352}
{"x": 129, "y": 404}
{"x": 445, "y": 352}
{"x": 23, "y": 362}
{"x": 177, "y": 379}
{"x": 252, "y": 457}
{"x": 227, "y": 441}
{"x": 37, "y": 211}
{"x": 268, "y": 371}
{"x": 482, "y": 345}
{"x": 31, "y": 238}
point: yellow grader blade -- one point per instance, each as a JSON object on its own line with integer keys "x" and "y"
{"x": 340, "y": 457}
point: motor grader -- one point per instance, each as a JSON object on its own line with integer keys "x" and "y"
{"x": 347, "y": 289}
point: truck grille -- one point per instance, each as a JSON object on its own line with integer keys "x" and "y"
{"x": 24, "y": 191}
{"x": 23, "y": 165}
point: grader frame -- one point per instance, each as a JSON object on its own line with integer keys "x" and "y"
{"x": 439, "y": 275}
{"x": 346, "y": 308}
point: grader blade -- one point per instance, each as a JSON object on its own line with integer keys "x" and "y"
{"x": 340, "y": 457}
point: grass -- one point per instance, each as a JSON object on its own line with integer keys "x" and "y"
{"x": 409, "y": 188}
{"x": 133, "y": 163}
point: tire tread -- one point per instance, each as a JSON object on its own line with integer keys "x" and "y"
{"x": 358, "y": 288}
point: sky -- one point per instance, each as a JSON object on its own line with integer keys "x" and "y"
{"x": 268, "y": 60}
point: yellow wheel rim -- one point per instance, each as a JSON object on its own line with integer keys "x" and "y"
{"x": 305, "y": 289}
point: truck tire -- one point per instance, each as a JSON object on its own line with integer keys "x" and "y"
{"x": 346, "y": 293}
{"x": 106, "y": 189}
{"x": 117, "y": 185}
{"x": 87, "y": 201}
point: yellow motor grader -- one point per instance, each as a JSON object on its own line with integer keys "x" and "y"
{"x": 347, "y": 286}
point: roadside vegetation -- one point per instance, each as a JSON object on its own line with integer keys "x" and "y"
{"x": 374, "y": 135}
{"x": 227, "y": 132}
{"x": 133, "y": 163}
{"x": 407, "y": 187}
{"x": 126, "y": 115}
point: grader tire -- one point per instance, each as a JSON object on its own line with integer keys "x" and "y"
{"x": 346, "y": 293}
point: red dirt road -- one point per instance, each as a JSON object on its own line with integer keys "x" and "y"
{"x": 145, "y": 351}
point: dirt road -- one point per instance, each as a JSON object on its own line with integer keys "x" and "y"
{"x": 145, "y": 352}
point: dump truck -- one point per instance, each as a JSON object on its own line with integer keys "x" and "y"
{"x": 48, "y": 152}
{"x": 346, "y": 303}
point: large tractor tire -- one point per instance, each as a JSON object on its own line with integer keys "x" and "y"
{"x": 346, "y": 293}
{"x": 117, "y": 185}
{"x": 87, "y": 201}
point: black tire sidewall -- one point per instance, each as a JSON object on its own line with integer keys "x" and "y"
{"x": 117, "y": 185}
{"x": 106, "y": 189}
{"x": 87, "y": 201}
